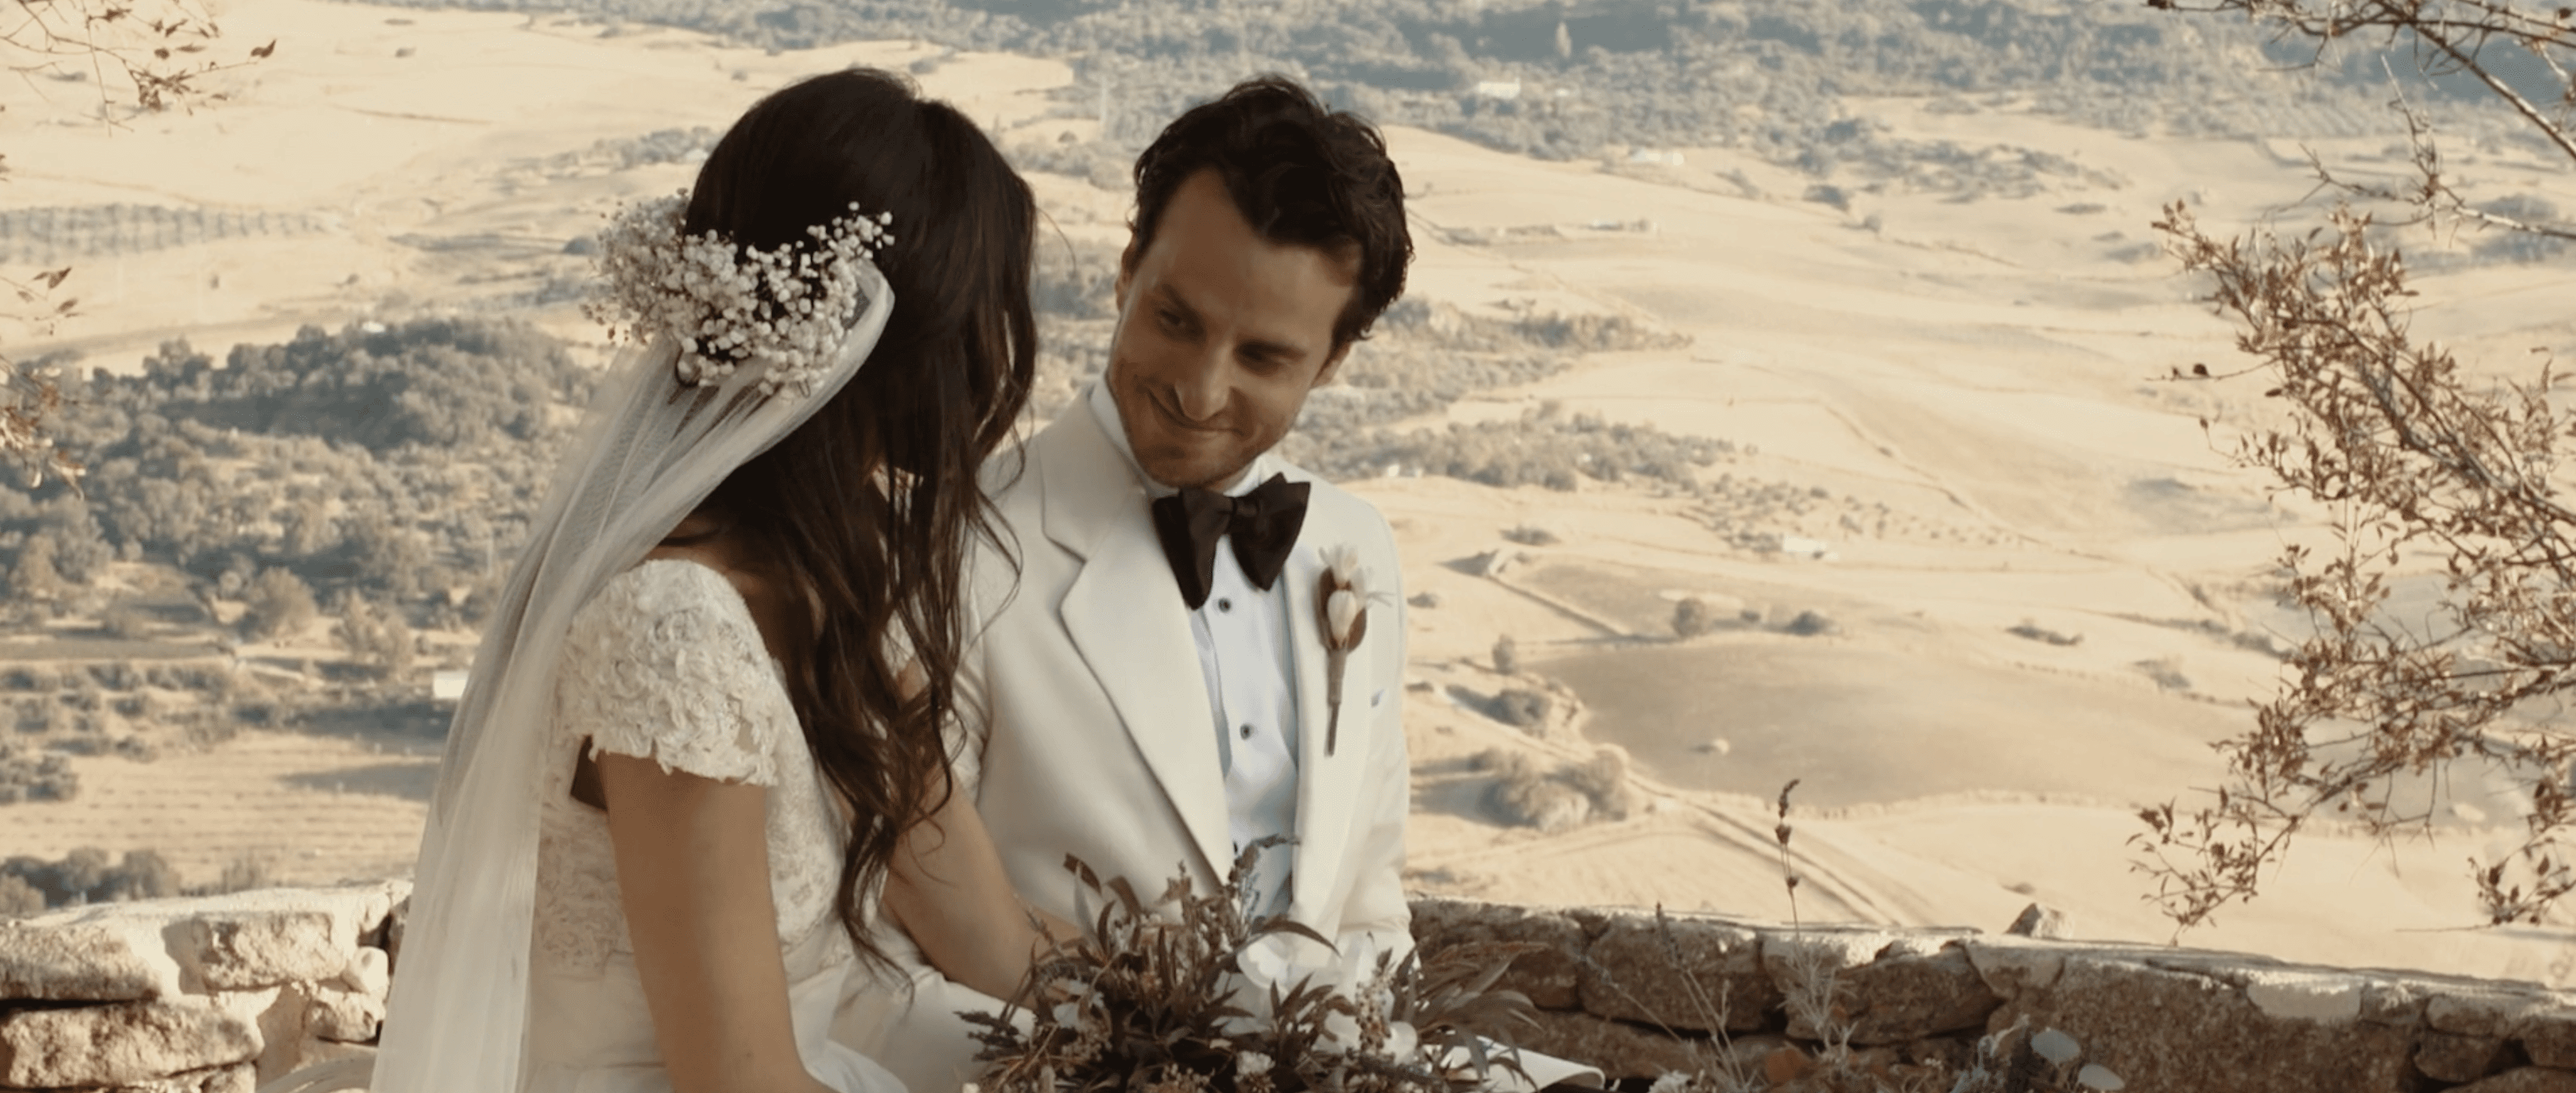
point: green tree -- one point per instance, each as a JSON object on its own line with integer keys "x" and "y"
{"x": 34, "y": 579}
{"x": 391, "y": 557}
{"x": 19, "y": 899}
{"x": 1691, "y": 617}
{"x": 278, "y": 603}
{"x": 82, "y": 872}
{"x": 144, "y": 874}
{"x": 375, "y": 637}
{"x": 309, "y": 531}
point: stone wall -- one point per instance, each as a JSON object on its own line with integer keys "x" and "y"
{"x": 215, "y": 995}
{"x": 1639, "y": 996}
{"x": 208, "y": 995}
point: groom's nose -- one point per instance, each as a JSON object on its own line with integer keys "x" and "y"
{"x": 1201, "y": 390}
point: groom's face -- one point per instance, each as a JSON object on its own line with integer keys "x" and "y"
{"x": 1221, "y": 334}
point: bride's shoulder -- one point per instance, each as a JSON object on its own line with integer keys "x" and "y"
{"x": 663, "y": 587}
{"x": 666, "y": 663}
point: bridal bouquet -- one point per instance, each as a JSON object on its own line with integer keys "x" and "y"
{"x": 1188, "y": 994}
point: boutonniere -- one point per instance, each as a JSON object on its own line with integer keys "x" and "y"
{"x": 1341, "y": 604}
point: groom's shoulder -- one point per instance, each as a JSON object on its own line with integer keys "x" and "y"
{"x": 1344, "y": 509}
{"x": 1010, "y": 476}
{"x": 1015, "y": 477}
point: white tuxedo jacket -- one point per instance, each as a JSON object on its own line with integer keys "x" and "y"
{"x": 1088, "y": 729}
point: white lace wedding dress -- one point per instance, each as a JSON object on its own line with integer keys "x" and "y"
{"x": 665, "y": 663}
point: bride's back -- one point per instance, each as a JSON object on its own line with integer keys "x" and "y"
{"x": 763, "y": 702}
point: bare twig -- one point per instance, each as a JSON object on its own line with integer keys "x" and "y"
{"x": 2412, "y": 462}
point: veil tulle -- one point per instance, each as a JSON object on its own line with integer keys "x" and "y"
{"x": 651, "y": 450}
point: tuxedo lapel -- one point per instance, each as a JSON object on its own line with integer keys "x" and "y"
{"x": 1326, "y": 779}
{"x": 1126, "y": 619}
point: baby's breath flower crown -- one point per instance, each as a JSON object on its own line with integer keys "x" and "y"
{"x": 725, "y": 304}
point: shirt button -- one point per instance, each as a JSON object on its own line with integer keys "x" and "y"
{"x": 1225, "y": 605}
{"x": 1247, "y": 732}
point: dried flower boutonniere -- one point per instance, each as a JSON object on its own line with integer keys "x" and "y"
{"x": 1341, "y": 601}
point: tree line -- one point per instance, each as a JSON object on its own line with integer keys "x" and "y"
{"x": 399, "y": 464}
{"x": 1766, "y": 75}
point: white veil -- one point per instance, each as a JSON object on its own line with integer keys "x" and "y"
{"x": 651, "y": 450}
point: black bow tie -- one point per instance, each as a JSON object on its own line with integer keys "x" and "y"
{"x": 1263, "y": 525}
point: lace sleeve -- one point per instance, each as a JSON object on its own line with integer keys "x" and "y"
{"x": 666, "y": 664}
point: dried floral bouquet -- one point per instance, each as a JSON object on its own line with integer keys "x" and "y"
{"x": 1192, "y": 994}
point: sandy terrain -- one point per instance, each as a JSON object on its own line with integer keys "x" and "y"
{"x": 1986, "y": 371}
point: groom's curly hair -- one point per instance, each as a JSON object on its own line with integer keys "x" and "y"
{"x": 869, "y": 509}
{"x": 1301, "y": 173}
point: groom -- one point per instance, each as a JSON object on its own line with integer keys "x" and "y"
{"x": 1154, "y": 696}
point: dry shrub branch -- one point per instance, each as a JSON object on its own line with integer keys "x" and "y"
{"x": 2430, "y": 480}
{"x": 2412, "y": 462}
{"x": 158, "y": 51}
{"x": 2446, "y": 37}
{"x": 2485, "y": 41}
{"x": 1186, "y": 994}
{"x": 155, "y": 54}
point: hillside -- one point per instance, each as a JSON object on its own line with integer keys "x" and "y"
{"x": 1895, "y": 418}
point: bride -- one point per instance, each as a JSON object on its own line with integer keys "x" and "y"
{"x": 710, "y": 705}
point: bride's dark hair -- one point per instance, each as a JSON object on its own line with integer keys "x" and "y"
{"x": 868, "y": 510}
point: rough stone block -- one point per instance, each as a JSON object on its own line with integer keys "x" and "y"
{"x": 1549, "y": 978}
{"x": 221, "y": 943}
{"x": 1684, "y": 973}
{"x": 120, "y": 1044}
{"x": 1792, "y": 953}
{"x": 2450, "y": 1057}
{"x": 280, "y": 1014}
{"x": 371, "y": 972}
{"x": 2158, "y": 1028}
{"x": 2306, "y": 996}
{"x": 345, "y": 1016}
{"x": 83, "y": 962}
{"x": 241, "y": 1078}
{"x": 2042, "y": 921}
{"x": 1811, "y": 968}
{"x": 2549, "y": 1037}
{"x": 2485, "y": 1009}
{"x": 2394, "y": 1002}
{"x": 376, "y": 905}
{"x": 2529, "y": 1079}
{"x": 1619, "y": 1049}
{"x": 1908, "y": 997}
{"x": 2012, "y": 965}
{"x": 247, "y": 950}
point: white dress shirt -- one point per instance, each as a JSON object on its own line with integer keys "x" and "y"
{"x": 1245, "y": 659}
